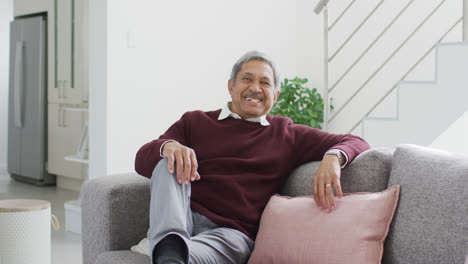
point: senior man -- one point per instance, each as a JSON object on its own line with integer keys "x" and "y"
{"x": 212, "y": 173}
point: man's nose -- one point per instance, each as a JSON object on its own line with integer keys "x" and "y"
{"x": 255, "y": 87}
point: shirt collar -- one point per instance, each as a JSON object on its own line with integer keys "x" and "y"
{"x": 226, "y": 112}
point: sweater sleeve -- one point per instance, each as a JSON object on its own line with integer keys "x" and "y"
{"x": 311, "y": 144}
{"x": 149, "y": 154}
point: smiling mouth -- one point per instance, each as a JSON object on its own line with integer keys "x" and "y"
{"x": 255, "y": 100}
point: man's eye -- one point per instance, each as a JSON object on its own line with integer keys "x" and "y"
{"x": 247, "y": 78}
{"x": 266, "y": 83}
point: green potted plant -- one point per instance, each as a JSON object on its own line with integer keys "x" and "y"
{"x": 302, "y": 105}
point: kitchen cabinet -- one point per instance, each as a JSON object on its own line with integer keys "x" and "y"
{"x": 68, "y": 61}
{"x": 68, "y": 87}
{"x": 65, "y": 129}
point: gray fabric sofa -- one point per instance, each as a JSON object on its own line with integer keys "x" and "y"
{"x": 430, "y": 224}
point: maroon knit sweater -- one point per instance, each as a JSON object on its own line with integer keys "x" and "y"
{"x": 242, "y": 164}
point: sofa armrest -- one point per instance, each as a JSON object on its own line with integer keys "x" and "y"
{"x": 115, "y": 213}
{"x": 369, "y": 172}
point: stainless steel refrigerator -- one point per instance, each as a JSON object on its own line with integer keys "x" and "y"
{"x": 27, "y": 107}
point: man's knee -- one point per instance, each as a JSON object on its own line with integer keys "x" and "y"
{"x": 161, "y": 168}
{"x": 162, "y": 164}
{"x": 162, "y": 177}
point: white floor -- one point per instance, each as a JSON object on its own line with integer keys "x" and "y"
{"x": 66, "y": 246}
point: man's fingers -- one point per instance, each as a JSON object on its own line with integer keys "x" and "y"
{"x": 186, "y": 162}
{"x": 187, "y": 167}
{"x": 316, "y": 191}
{"x": 193, "y": 158}
{"x": 339, "y": 193}
{"x": 170, "y": 160}
{"x": 321, "y": 195}
{"x": 179, "y": 165}
{"x": 330, "y": 198}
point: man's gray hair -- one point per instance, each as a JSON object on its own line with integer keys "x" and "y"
{"x": 256, "y": 55}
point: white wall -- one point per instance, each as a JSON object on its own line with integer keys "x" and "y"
{"x": 454, "y": 139}
{"x": 6, "y": 15}
{"x": 97, "y": 68}
{"x": 309, "y": 47}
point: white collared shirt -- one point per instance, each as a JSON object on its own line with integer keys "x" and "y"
{"x": 226, "y": 112}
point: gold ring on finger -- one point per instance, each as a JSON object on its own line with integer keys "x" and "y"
{"x": 328, "y": 185}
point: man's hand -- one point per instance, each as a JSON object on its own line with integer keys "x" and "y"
{"x": 327, "y": 177}
{"x": 185, "y": 159}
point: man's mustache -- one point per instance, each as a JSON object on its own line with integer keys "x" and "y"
{"x": 254, "y": 96}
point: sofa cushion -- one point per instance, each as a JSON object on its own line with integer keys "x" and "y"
{"x": 368, "y": 172}
{"x": 295, "y": 230}
{"x": 431, "y": 218}
{"x": 122, "y": 257}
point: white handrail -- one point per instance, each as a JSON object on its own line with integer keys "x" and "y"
{"x": 326, "y": 99}
{"x": 320, "y": 5}
{"x": 465, "y": 20}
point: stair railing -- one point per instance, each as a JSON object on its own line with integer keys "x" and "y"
{"x": 322, "y": 6}
{"x": 465, "y": 20}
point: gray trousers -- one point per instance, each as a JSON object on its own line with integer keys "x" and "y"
{"x": 170, "y": 213}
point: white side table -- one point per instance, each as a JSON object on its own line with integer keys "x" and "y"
{"x": 25, "y": 232}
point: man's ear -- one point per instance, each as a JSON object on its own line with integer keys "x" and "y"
{"x": 230, "y": 86}
{"x": 276, "y": 96}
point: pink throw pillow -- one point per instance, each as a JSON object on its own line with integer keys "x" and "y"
{"x": 295, "y": 230}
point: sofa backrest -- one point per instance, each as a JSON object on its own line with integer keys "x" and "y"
{"x": 369, "y": 172}
{"x": 431, "y": 221}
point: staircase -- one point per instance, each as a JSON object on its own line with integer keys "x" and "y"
{"x": 396, "y": 70}
{"x": 425, "y": 109}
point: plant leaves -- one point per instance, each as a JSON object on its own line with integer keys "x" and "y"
{"x": 302, "y": 105}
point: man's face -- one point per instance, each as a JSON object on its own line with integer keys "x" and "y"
{"x": 254, "y": 94}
